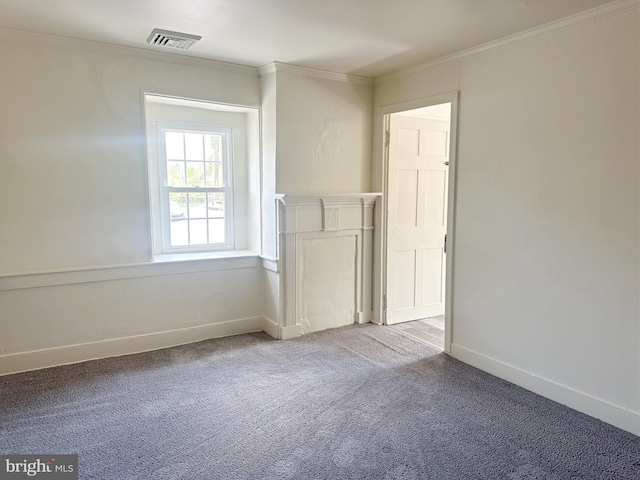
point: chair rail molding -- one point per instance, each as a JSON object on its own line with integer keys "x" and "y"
{"x": 326, "y": 253}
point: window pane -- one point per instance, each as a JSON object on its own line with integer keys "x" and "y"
{"x": 196, "y": 161}
{"x": 179, "y": 197}
{"x": 214, "y": 175}
{"x": 193, "y": 142}
{"x": 198, "y": 232}
{"x": 195, "y": 174}
{"x": 179, "y": 226}
{"x": 197, "y": 205}
{"x": 178, "y": 205}
{"x": 174, "y": 143}
{"x": 215, "y": 205}
{"x": 213, "y": 148}
{"x": 179, "y": 234}
{"x": 175, "y": 174}
{"x": 216, "y": 230}
{"x": 197, "y": 218}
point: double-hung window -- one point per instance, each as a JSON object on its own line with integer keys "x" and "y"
{"x": 203, "y": 166}
{"x": 196, "y": 188}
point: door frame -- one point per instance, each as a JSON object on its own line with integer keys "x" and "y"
{"x": 380, "y": 177}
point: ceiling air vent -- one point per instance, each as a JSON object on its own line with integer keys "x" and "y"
{"x": 166, "y": 38}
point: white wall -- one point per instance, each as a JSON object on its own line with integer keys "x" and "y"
{"x": 269, "y": 232}
{"x": 73, "y": 169}
{"x": 73, "y": 185}
{"x": 316, "y": 140}
{"x": 269, "y": 140}
{"x": 73, "y": 150}
{"x": 323, "y": 135}
{"x": 125, "y": 310}
{"x": 546, "y": 278}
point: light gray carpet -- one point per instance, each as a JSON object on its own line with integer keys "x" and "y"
{"x": 361, "y": 402}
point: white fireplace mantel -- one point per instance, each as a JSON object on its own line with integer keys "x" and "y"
{"x": 326, "y": 255}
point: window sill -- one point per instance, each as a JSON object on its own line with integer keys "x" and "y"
{"x": 186, "y": 257}
{"x": 161, "y": 265}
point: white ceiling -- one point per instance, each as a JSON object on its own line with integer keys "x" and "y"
{"x": 362, "y": 37}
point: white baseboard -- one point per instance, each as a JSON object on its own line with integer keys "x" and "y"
{"x": 33, "y": 360}
{"x": 583, "y": 402}
{"x": 290, "y": 332}
{"x": 364, "y": 317}
{"x": 271, "y": 328}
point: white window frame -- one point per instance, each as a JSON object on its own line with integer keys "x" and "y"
{"x": 164, "y": 189}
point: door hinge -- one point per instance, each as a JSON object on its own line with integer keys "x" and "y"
{"x": 387, "y": 138}
{"x": 384, "y": 302}
{"x": 445, "y": 243}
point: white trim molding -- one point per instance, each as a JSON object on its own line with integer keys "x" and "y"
{"x": 314, "y": 72}
{"x": 271, "y": 328}
{"x": 169, "y": 265}
{"x": 380, "y": 167}
{"x": 555, "y": 26}
{"x": 143, "y": 53}
{"x": 304, "y": 219}
{"x": 36, "y": 359}
{"x": 274, "y": 330}
{"x": 583, "y": 402}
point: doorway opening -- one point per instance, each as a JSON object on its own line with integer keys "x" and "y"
{"x": 419, "y": 171}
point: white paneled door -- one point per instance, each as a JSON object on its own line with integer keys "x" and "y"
{"x": 417, "y": 217}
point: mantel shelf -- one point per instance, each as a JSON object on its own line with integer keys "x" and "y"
{"x": 333, "y": 198}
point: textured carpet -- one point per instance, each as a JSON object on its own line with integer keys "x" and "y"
{"x": 360, "y": 402}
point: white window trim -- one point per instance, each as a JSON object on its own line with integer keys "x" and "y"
{"x": 247, "y": 171}
{"x": 164, "y": 189}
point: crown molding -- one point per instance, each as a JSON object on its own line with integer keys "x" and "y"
{"x": 69, "y": 42}
{"x": 314, "y": 72}
{"x": 588, "y": 16}
{"x": 267, "y": 69}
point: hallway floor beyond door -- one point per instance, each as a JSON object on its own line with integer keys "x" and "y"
{"x": 427, "y": 330}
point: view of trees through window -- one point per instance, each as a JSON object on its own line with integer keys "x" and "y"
{"x": 196, "y": 186}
